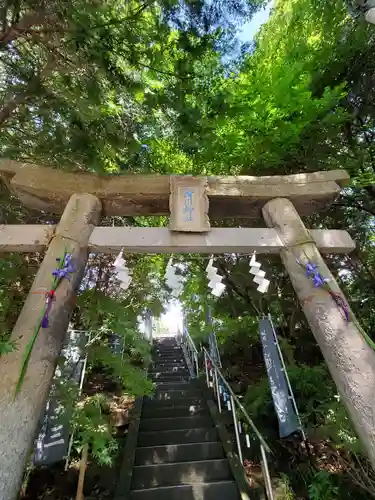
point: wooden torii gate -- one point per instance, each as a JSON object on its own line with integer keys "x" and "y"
{"x": 82, "y": 198}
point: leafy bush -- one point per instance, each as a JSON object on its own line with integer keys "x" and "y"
{"x": 323, "y": 487}
{"x": 94, "y": 429}
{"x": 317, "y": 400}
{"x": 284, "y": 488}
{"x": 89, "y": 415}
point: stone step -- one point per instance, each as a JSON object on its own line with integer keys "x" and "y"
{"x": 171, "y": 385}
{"x": 174, "y": 411}
{"x": 165, "y": 340}
{"x": 162, "y": 380}
{"x": 179, "y": 436}
{"x": 175, "y": 353}
{"x": 220, "y": 490}
{"x": 160, "y": 401}
{"x": 170, "y": 358}
{"x": 167, "y": 364}
{"x": 168, "y": 373}
{"x": 163, "y": 424}
{"x": 169, "y": 377}
{"x": 150, "y": 476}
{"x": 166, "y": 348}
{"x": 167, "y": 352}
{"x": 169, "y": 361}
{"x": 178, "y": 453}
{"x": 175, "y": 393}
{"x": 161, "y": 360}
{"x": 167, "y": 369}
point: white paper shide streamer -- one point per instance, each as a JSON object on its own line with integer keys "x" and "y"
{"x": 370, "y": 16}
{"x": 173, "y": 280}
{"x": 122, "y": 272}
{"x": 259, "y": 275}
{"x": 214, "y": 279}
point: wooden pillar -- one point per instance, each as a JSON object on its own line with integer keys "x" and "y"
{"x": 19, "y": 417}
{"x": 350, "y": 359}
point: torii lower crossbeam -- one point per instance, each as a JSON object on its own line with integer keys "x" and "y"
{"x": 35, "y": 238}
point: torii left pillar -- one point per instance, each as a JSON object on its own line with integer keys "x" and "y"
{"x": 19, "y": 417}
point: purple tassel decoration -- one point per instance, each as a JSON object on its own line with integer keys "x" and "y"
{"x": 321, "y": 282}
{"x": 50, "y": 297}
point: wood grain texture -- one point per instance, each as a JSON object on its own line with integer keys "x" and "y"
{"x": 49, "y": 190}
{"x": 19, "y": 418}
{"x": 111, "y": 240}
{"x": 350, "y": 359}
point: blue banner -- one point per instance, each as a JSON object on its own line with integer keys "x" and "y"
{"x": 286, "y": 415}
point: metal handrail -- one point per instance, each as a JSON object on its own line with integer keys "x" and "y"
{"x": 191, "y": 341}
{"x": 239, "y": 404}
{"x": 232, "y": 403}
{"x": 191, "y": 351}
{"x": 212, "y": 339}
{"x": 214, "y": 349}
{"x": 216, "y": 374}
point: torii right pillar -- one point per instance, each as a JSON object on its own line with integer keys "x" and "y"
{"x": 349, "y": 357}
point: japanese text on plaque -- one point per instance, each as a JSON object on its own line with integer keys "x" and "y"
{"x": 188, "y": 205}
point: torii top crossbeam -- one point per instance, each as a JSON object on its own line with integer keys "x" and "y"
{"x": 49, "y": 190}
{"x": 243, "y": 197}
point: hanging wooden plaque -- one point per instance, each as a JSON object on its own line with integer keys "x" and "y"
{"x": 188, "y": 204}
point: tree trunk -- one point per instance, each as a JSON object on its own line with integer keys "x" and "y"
{"x": 350, "y": 359}
{"x": 19, "y": 417}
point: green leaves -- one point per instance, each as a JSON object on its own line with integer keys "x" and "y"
{"x": 94, "y": 429}
{"x": 84, "y": 81}
{"x": 323, "y": 486}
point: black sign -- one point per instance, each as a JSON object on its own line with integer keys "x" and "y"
{"x": 53, "y": 440}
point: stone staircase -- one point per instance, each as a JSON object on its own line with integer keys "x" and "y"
{"x": 178, "y": 454}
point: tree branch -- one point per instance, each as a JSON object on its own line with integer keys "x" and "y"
{"x": 353, "y": 203}
{"x": 236, "y": 288}
{"x": 143, "y": 7}
{"x": 164, "y": 72}
{"x": 112, "y": 22}
{"x": 15, "y": 31}
{"x": 10, "y": 106}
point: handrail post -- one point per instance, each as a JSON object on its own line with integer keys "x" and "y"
{"x": 236, "y": 429}
{"x": 234, "y": 402}
{"x": 206, "y": 367}
{"x": 217, "y": 388}
{"x": 196, "y": 364}
{"x": 267, "y": 477}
